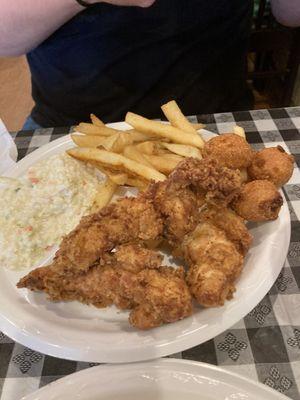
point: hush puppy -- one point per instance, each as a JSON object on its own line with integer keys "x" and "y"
{"x": 258, "y": 201}
{"x": 273, "y": 164}
{"x": 229, "y": 150}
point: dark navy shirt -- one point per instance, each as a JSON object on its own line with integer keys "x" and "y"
{"x": 108, "y": 60}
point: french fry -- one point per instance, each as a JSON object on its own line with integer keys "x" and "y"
{"x": 124, "y": 139}
{"x": 90, "y": 129}
{"x": 163, "y": 130}
{"x": 117, "y": 162}
{"x": 161, "y": 151}
{"x": 139, "y": 136}
{"x": 133, "y": 153}
{"x": 88, "y": 140}
{"x": 109, "y": 142}
{"x": 182, "y": 150}
{"x": 116, "y": 142}
{"x": 198, "y": 125}
{"x": 165, "y": 163}
{"x": 104, "y": 194}
{"x": 146, "y": 147}
{"x": 238, "y": 130}
{"x": 119, "y": 178}
{"x": 138, "y": 183}
{"x": 176, "y": 118}
{"x": 96, "y": 121}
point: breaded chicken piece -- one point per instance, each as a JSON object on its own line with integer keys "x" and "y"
{"x": 229, "y": 150}
{"x": 258, "y": 201}
{"x": 129, "y": 219}
{"x": 273, "y": 164}
{"x": 218, "y": 184}
{"x": 215, "y": 265}
{"x": 162, "y": 296}
{"x": 131, "y": 278}
{"x": 209, "y": 286}
{"x": 231, "y": 223}
{"x": 179, "y": 207}
{"x": 99, "y": 284}
{"x": 189, "y": 186}
{"x": 91, "y": 287}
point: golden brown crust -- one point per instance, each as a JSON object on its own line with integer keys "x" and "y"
{"x": 219, "y": 184}
{"x": 215, "y": 265}
{"x": 272, "y": 164}
{"x": 229, "y": 150}
{"x": 258, "y": 201}
{"x": 179, "y": 209}
{"x": 162, "y": 297}
{"x": 231, "y": 223}
{"x": 208, "y": 285}
{"x": 129, "y": 219}
{"x": 131, "y": 278}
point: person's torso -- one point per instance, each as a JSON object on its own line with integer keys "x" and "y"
{"x": 108, "y": 58}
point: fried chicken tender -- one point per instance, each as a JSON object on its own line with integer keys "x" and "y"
{"x": 98, "y": 285}
{"x": 258, "y": 201}
{"x": 215, "y": 265}
{"x": 229, "y": 150}
{"x": 130, "y": 219}
{"x": 231, "y": 223}
{"x": 218, "y": 184}
{"x": 131, "y": 278}
{"x": 162, "y": 296}
{"x": 273, "y": 164}
{"x": 188, "y": 187}
{"x": 179, "y": 207}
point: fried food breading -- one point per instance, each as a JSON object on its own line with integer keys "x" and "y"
{"x": 258, "y": 201}
{"x": 179, "y": 207}
{"x": 131, "y": 278}
{"x": 216, "y": 264}
{"x": 229, "y": 150}
{"x": 209, "y": 286}
{"x": 99, "y": 285}
{"x": 129, "y": 219}
{"x": 231, "y": 223}
{"x": 162, "y": 296}
{"x": 219, "y": 184}
{"x": 179, "y": 198}
{"x": 273, "y": 164}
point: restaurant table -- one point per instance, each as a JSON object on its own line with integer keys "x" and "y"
{"x": 265, "y": 345}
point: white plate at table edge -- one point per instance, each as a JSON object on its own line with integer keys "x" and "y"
{"x": 84, "y": 333}
{"x": 166, "y": 379}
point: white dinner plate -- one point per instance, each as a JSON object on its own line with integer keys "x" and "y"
{"x": 165, "y": 379}
{"x": 75, "y": 331}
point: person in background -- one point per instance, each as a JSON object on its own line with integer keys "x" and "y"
{"x": 108, "y": 57}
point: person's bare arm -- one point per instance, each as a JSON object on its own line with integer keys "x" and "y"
{"x": 287, "y": 12}
{"x": 24, "y": 24}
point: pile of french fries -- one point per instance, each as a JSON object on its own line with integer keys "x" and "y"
{"x": 148, "y": 151}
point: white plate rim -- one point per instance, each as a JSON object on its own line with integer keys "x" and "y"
{"x": 134, "y": 354}
{"x": 184, "y": 366}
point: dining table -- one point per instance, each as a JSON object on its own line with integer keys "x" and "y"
{"x": 263, "y": 346}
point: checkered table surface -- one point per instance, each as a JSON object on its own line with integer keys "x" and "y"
{"x": 265, "y": 345}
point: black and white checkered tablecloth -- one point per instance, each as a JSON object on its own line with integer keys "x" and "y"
{"x": 265, "y": 345}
